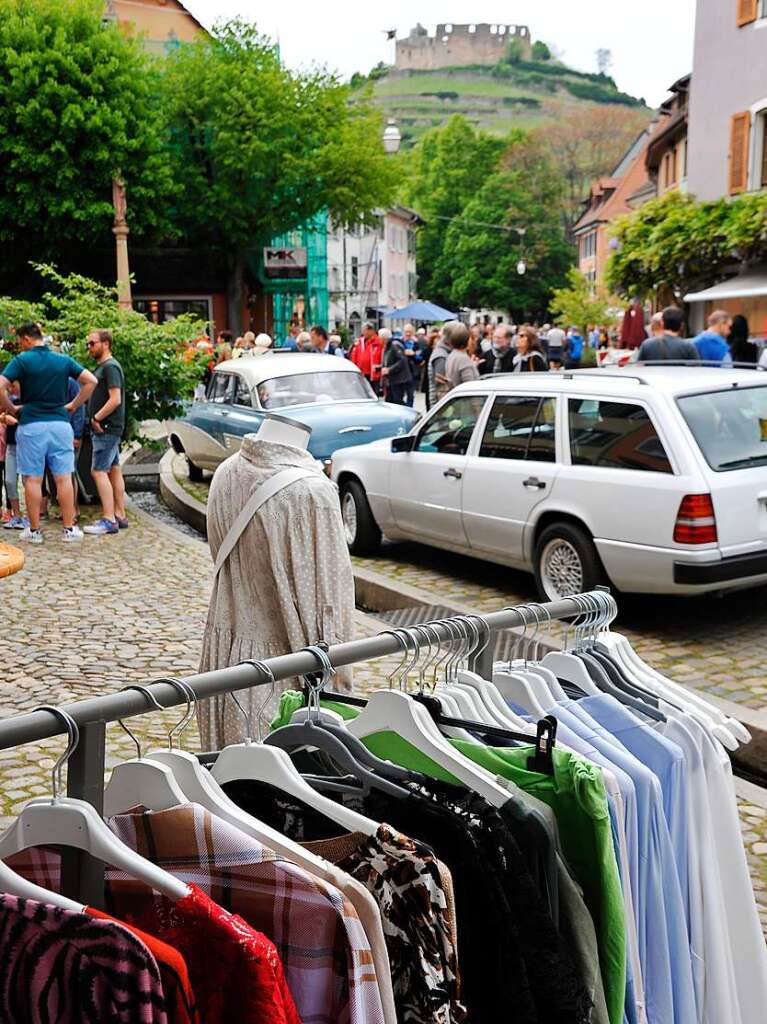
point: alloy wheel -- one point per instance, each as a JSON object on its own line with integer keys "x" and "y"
{"x": 561, "y": 569}
{"x": 349, "y": 516}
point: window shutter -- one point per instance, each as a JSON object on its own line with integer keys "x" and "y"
{"x": 747, "y": 11}
{"x": 740, "y": 126}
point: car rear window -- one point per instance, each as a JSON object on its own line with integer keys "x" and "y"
{"x": 313, "y": 388}
{"x": 617, "y": 435}
{"x": 729, "y": 426}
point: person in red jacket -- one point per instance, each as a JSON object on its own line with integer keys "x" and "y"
{"x": 367, "y": 354}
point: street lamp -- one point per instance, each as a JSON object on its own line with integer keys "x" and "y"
{"x": 521, "y": 268}
{"x": 392, "y": 137}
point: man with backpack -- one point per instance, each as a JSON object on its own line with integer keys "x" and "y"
{"x": 573, "y": 349}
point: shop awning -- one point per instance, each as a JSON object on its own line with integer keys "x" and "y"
{"x": 741, "y": 287}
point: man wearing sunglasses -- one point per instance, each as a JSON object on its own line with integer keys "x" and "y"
{"x": 106, "y": 413}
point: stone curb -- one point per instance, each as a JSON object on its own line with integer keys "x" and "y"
{"x": 177, "y": 499}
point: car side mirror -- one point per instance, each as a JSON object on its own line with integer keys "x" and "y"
{"x": 404, "y": 443}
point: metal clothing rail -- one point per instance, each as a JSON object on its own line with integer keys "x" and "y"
{"x": 82, "y": 876}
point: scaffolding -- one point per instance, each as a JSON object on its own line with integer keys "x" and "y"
{"x": 302, "y": 302}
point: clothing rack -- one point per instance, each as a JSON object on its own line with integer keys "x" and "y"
{"x": 83, "y": 876}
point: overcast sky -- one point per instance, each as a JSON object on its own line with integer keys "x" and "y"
{"x": 651, "y": 42}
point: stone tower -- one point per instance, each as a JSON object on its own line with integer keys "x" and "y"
{"x": 457, "y": 45}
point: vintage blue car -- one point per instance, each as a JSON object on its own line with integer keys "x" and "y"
{"x": 327, "y": 393}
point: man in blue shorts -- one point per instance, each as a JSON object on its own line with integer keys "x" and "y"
{"x": 106, "y": 413}
{"x": 45, "y": 433}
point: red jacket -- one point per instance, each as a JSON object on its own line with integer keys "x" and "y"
{"x": 367, "y": 354}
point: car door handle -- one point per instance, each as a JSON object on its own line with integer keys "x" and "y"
{"x": 533, "y": 483}
{"x": 456, "y": 474}
{"x": 224, "y": 412}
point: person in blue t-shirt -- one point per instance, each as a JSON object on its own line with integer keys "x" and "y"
{"x": 44, "y": 432}
{"x": 712, "y": 344}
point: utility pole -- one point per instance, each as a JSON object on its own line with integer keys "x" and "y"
{"x": 121, "y": 232}
{"x": 346, "y": 290}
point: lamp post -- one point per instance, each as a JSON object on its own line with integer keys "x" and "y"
{"x": 392, "y": 137}
{"x": 121, "y": 231}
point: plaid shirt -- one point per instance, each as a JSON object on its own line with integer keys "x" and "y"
{"x": 322, "y": 944}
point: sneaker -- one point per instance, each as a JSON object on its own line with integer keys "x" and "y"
{"x": 16, "y": 523}
{"x": 122, "y": 523}
{"x": 30, "y": 536}
{"x": 101, "y": 527}
{"x": 72, "y": 533}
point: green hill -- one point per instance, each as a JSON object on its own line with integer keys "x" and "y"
{"x": 523, "y": 94}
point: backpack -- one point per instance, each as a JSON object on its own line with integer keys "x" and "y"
{"x": 576, "y": 347}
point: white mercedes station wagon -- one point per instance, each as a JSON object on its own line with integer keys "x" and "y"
{"x": 652, "y": 479}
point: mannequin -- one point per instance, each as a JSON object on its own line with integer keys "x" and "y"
{"x": 281, "y": 430}
{"x": 285, "y": 582}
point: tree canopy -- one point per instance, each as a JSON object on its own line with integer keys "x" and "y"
{"x": 445, "y": 171}
{"x": 481, "y": 260}
{"x": 78, "y": 105}
{"x": 469, "y": 186}
{"x": 675, "y": 242}
{"x": 577, "y": 304}
{"x": 258, "y": 150}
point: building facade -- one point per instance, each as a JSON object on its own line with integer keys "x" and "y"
{"x": 728, "y": 103}
{"x": 162, "y": 23}
{"x": 372, "y": 268}
{"x": 457, "y": 45}
{"x": 609, "y": 198}
{"x": 668, "y": 146}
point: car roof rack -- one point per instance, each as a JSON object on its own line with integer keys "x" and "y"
{"x": 604, "y": 371}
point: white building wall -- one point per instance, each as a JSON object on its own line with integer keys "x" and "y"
{"x": 729, "y": 76}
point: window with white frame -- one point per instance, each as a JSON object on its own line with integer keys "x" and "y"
{"x": 589, "y": 245}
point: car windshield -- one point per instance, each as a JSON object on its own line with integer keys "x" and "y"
{"x": 729, "y": 426}
{"x": 313, "y": 388}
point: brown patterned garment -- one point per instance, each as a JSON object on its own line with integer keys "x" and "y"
{"x": 403, "y": 876}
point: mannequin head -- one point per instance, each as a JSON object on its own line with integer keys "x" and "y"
{"x": 281, "y": 430}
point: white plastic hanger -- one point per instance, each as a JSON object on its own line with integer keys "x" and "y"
{"x": 201, "y": 788}
{"x": 567, "y": 666}
{"x": 391, "y": 711}
{"x": 261, "y": 763}
{"x": 16, "y": 885}
{"x": 140, "y": 782}
{"x": 65, "y": 821}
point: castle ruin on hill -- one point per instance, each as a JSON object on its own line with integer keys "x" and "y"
{"x": 457, "y": 45}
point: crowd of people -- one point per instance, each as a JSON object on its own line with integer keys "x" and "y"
{"x": 48, "y": 403}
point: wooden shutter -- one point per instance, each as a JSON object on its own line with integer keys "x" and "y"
{"x": 740, "y": 129}
{"x": 747, "y": 11}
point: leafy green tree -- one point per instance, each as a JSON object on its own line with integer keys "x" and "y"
{"x": 480, "y": 261}
{"x": 157, "y": 376}
{"x": 258, "y": 150}
{"x": 575, "y": 303}
{"x": 540, "y": 51}
{"x": 515, "y": 51}
{"x": 675, "y": 242}
{"x": 78, "y": 105}
{"x": 445, "y": 171}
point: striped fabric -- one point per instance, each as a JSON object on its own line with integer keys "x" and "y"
{"x": 59, "y": 967}
{"x": 326, "y": 955}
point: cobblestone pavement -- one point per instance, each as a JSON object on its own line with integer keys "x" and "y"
{"x": 717, "y": 645}
{"x": 84, "y": 620}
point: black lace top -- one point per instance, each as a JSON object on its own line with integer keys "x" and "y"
{"x": 513, "y": 964}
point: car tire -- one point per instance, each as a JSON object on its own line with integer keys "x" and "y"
{"x": 566, "y": 562}
{"x": 363, "y": 535}
{"x": 194, "y": 472}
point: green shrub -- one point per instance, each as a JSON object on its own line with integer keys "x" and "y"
{"x": 600, "y": 93}
{"x": 540, "y": 51}
{"x": 157, "y": 377}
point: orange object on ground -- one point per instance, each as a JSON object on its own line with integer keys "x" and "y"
{"x": 11, "y": 559}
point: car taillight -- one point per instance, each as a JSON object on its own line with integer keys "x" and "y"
{"x": 695, "y": 520}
